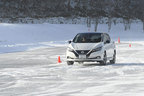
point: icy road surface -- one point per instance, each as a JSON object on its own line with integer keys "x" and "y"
{"x": 36, "y": 73}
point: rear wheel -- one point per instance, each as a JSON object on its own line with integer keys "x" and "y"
{"x": 104, "y": 62}
{"x": 70, "y": 62}
{"x": 114, "y": 59}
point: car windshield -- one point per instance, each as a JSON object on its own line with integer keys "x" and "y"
{"x": 87, "y": 38}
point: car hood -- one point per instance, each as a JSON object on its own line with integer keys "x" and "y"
{"x": 85, "y": 46}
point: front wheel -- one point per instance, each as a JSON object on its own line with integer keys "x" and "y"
{"x": 113, "y": 61}
{"x": 104, "y": 62}
{"x": 70, "y": 62}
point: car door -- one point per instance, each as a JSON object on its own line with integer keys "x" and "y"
{"x": 108, "y": 45}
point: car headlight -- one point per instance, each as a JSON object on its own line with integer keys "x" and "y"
{"x": 70, "y": 49}
{"x": 97, "y": 49}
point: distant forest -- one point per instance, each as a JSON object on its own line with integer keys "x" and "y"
{"x": 126, "y": 9}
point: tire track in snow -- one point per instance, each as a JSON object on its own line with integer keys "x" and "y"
{"x": 39, "y": 74}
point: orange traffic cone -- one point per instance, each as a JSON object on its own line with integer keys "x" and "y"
{"x": 129, "y": 45}
{"x": 59, "y": 60}
{"x": 119, "y": 40}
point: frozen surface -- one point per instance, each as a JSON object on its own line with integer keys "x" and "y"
{"x": 37, "y": 73}
{"x": 21, "y": 37}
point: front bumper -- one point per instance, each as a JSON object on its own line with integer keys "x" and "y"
{"x": 93, "y": 57}
{"x": 85, "y": 60}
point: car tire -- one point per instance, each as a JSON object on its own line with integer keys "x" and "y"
{"x": 104, "y": 62}
{"x": 70, "y": 62}
{"x": 113, "y": 61}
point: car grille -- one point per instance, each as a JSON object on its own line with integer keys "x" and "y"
{"x": 82, "y": 52}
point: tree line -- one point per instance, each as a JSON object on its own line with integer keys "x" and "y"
{"x": 126, "y": 9}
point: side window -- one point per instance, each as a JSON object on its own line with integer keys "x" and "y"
{"x": 104, "y": 38}
{"x": 108, "y": 37}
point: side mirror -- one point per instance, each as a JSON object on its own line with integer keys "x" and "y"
{"x": 108, "y": 41}
{"x": 69, "y": 42}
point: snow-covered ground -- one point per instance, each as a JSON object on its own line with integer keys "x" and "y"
{"x": 37, "y": 73}
{"x": 21, "y": 37}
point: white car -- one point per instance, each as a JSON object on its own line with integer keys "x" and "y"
{"x": 91, "y": 47}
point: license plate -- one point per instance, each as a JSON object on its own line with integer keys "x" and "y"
{"x": 82, "y": 56}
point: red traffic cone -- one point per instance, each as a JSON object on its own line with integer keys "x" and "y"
{"x": 129, "y": 45}
{"x": 119, "y": 40}
{"x": 59, "y": 60}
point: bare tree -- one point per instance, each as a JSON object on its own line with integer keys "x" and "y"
{"x": 127, "y": 24}
{"x": 109, "y": 23}
{"x": 88, "y": 22}
{"x": 96, "y": 23}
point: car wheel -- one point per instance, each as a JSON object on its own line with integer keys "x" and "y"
{"x": 114, "y": 59}
{"x": 104, "y": 62}
{"x": 70, "y": 62}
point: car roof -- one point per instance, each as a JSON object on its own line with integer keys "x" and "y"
{"x": 92, "y": 33}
